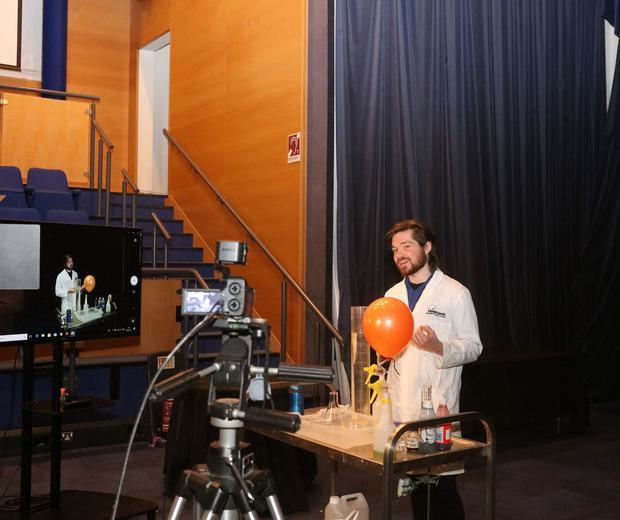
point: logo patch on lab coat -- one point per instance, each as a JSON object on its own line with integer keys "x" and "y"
{"x": 432, "y": 311}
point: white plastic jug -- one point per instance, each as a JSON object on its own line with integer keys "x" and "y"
{"x": 337, "y": 509}
{"x": 357, "y": 502}
{"x": 347, "y": 507}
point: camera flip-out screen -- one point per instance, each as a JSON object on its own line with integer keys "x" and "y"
{"x": 199, "y": 302}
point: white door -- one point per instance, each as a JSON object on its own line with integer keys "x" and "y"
{"x": 153, "y": 103}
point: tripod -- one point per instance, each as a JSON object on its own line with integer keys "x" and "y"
{"x": 228, "y": 487}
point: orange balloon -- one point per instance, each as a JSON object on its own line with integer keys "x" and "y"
{"x": 388, "y": 326}
{"x": 89, "y": 283}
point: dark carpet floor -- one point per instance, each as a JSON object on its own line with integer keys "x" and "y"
{"x": 540, "y": 475}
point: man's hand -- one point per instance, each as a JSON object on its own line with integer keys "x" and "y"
{"x": 71, "y": 291}
{"x": 425, "y": 338}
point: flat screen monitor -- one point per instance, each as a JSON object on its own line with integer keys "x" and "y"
{"x": 68, "y": 281}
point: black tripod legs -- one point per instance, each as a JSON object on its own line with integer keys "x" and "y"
{"x": 212, "y": 498}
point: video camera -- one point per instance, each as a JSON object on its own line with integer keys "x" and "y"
{"x": 229, "y": 309}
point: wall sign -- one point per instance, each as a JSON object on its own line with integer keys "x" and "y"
{"x": 10, "y": 34}
{"x": 294, "y": 147}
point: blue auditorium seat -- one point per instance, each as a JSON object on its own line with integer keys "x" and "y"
{"x": 48, "y": 189}
{"x": 9, "y": 213}
{"x": 11, "y": 186}
{"x": 68, "y": 216}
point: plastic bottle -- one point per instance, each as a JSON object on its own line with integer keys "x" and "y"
{"x": 443, "y": 432}
{"x": 337, "y": 508}
{"x": 108, "y": 304}
{"x": 385, "y": 426}
{"x": 427, "y": 434}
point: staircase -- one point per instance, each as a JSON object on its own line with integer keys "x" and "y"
{"x": 181, "y": 251}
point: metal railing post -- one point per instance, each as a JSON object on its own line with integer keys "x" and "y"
{"x": 124, "y": 197}
{"x": 134, "y": 191}
{"x": 108, "y": 184}
{"x": 133, "y": 210}
{"x": 165, "y": 254}
{"x": 91, "y": 149}
{"x": 283, "y": 321}
{"x": 99, "y": 175}
{"x": 154, "y": 244}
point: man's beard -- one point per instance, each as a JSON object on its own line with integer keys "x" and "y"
{"x": 413, "y": 266}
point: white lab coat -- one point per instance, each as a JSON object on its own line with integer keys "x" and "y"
{"x": 63, "y": 284}
{"x": 446, "y": 306}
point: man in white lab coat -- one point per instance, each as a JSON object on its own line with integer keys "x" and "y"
{"x": 66, "y": 288}
{"x": 445, "y": 337}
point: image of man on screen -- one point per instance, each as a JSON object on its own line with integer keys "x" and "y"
{"x": 67, "y": 288}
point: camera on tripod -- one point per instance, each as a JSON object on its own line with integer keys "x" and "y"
{"x": 229, "y": 486}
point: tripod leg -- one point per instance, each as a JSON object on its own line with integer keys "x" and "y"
{"x": 177, "y": 508}
{"x": 274, "y": 507}
{"x": 198, "y": 511}
{"x": 229, "y": 514}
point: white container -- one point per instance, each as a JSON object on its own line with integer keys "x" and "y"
{"x": 352, "y": 507}
{"x": 337, "y": 509}
{"x": 357, "y": 502}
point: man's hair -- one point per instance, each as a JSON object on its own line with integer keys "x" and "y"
{"x": 421, "y": 234}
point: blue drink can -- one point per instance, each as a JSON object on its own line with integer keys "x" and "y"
{"x": 68, "y": 316}
{"x": 296, "y": 399}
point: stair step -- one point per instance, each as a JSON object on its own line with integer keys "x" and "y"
{"x": 177, "y": 240}
{"x": 86, "y": 199}
{"x": 180, "y": 254}
{"x": 173, "y": 226}
{"x": 205, "y": 270}
{"x": 116, "y": 211}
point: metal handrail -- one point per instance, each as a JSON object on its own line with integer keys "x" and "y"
{"x": 95, "y": 128}
{"x": 176, "y": 271}
{"x": 159, "y": 226}
{"x": 129, "y": 180}
{"x": 102, "y": 134}
{"x": 135, "y": 190}
{"x": 328, "y": 324}
{"x": 34, "y": 90}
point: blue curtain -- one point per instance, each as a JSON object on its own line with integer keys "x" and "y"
{"x": 598, "y": 279}
{"x": 484, "y": 119}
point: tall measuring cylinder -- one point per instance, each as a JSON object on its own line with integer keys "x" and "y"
{"x": 360, "y": 359}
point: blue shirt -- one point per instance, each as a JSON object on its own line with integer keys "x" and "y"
{"x": 415, "y": 290}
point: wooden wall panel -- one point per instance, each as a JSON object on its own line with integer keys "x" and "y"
{"x": 237, "y": 91}
{"x": 34, "y": 127}
{"x": 98, "y": 42}
{"x": 20, "y": 82}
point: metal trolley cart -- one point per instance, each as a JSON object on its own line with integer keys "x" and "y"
{"x": 396, "y": 463}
